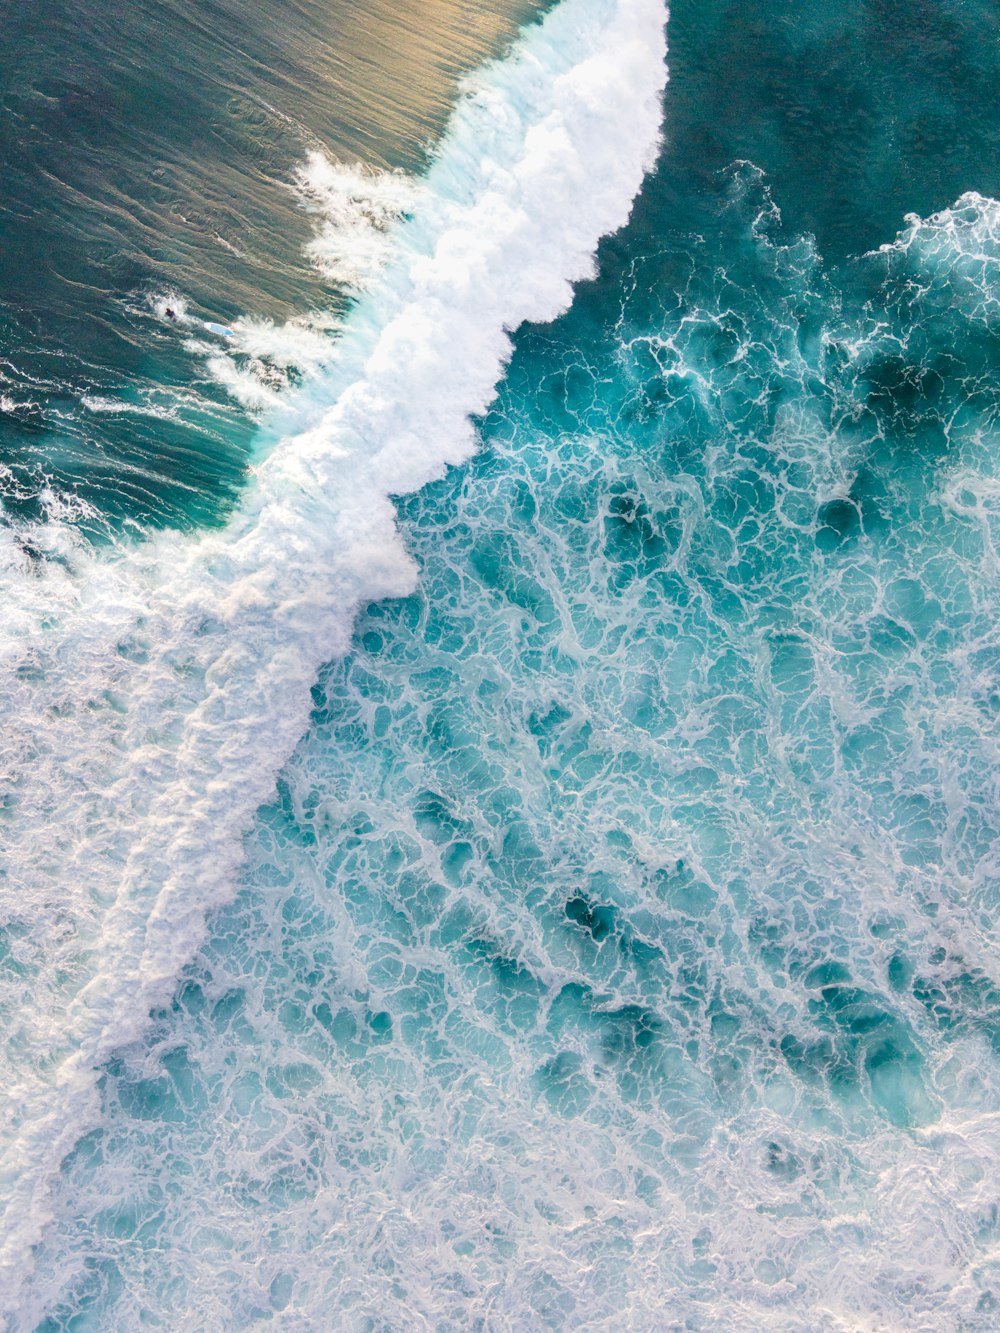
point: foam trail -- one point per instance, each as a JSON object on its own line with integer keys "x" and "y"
{"x": 171, "y": 680}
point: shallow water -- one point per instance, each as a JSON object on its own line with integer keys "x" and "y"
{"x": 618, "y": 947}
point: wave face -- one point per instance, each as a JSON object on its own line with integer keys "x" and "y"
{"x": 157, "y": 689}
{"x": 617, "y": 948}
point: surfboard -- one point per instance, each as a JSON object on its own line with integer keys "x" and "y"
{"x": 220, "y": 329}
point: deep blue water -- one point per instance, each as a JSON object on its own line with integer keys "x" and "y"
{"x": 618, "y": 947}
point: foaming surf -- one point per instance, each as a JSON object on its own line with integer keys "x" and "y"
{"x": 357, "y": 208}
{"x": 157, "y": 687}
{"x": 356, "y": 211}
{"x": 618, "y": 949}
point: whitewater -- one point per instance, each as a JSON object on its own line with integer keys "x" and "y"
{"x": 592, "y": 965}
{"x": 524, "y": 855}
{"x": 155, "y": 689}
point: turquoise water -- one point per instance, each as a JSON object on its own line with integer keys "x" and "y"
{"x": 617, "y": 948}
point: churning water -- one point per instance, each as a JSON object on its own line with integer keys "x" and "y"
{"x": 526, "y": 856}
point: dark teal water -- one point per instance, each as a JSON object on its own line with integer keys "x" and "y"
{"x": 619, "y": 948}
{"x": 148, "y": 156}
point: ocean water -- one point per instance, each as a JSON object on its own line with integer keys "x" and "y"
{"x": 516, "y": 847}
{"x": 155, "y": 156}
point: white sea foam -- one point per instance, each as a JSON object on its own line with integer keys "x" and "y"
{"x": 102, "y": 404}
{"x": 158, "y": 689}
{"x": 263, "y": 359}
{"x": 495, "y": 1164}
{"x": 357, "y": 210}
{"x": 161, "y": 302}
{"x": 253, "y": 383}
{"x": 357, "y": 207}
{"x": 957, "y": 246}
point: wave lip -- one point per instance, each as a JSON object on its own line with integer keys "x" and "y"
{"x": 163, "y": 686}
